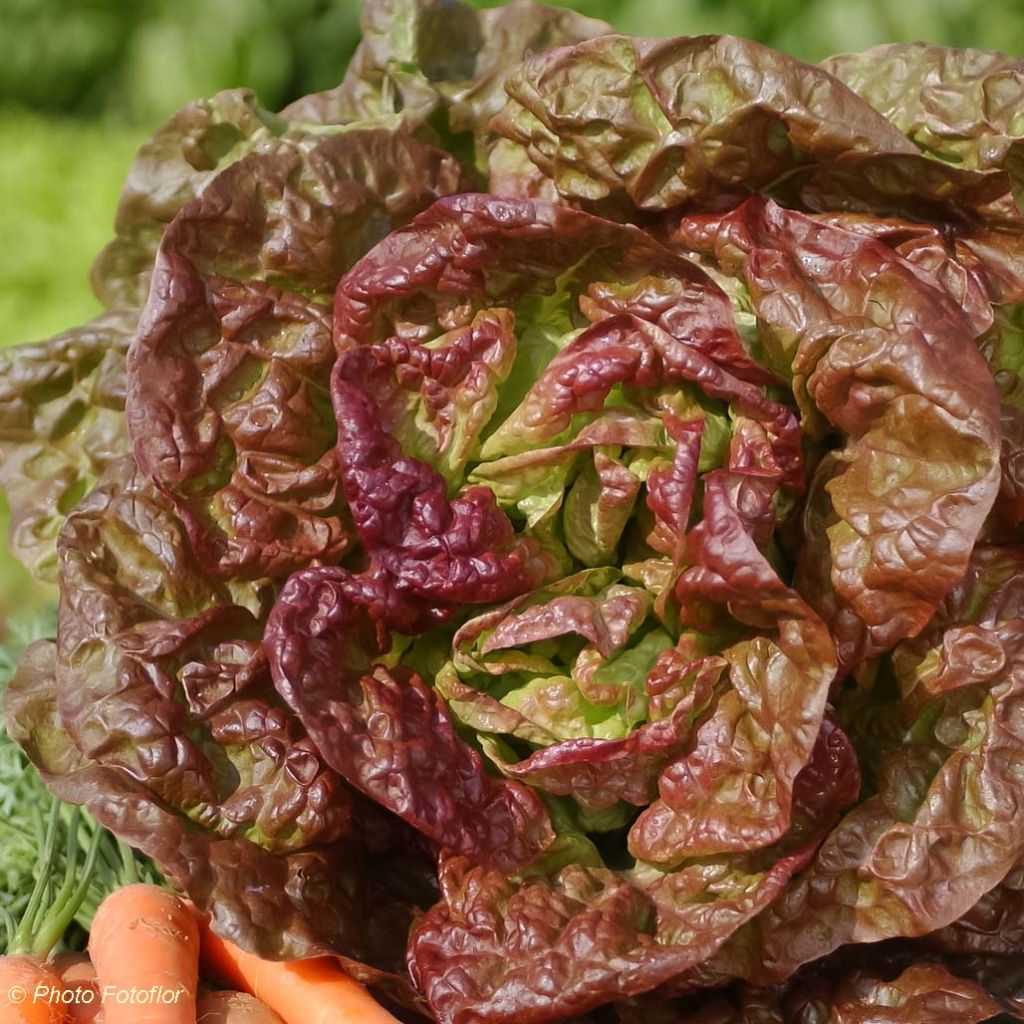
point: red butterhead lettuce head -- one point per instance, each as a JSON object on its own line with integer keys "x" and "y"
{"x": 542, "y": 520}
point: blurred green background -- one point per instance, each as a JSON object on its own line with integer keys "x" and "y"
{"x": 83, "y": 82}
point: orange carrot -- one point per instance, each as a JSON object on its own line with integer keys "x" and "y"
{"x": 145, "y": 947}
{"x": 79, "y": 977}
{"x": 30, "y": 992}
{"x": 233, "y": 1008}
{"x": 300, "y": 991}
{"x": 74, "y": 967}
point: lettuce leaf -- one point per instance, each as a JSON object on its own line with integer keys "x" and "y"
{"x": 547, "y": 947}
{"x": 440, "y": 65}
{"x": 171, "y": 168}
{"x": 893, "y": 515}
{"x": 383, "y": 729}
{"x": 942, "y": 829}
{"x": 235, "y": 330}
{"x": 155, "y": 709}
{"x": 621, "y": 124}
{"x": 61, "y": 425}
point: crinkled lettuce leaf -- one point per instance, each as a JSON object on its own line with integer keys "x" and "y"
{"x": 994, "y": 926}
{"x": 155, "y": 708}
{"x": 169, "y": 171}
{"x": 942, "y": 828}
{"x": 610, "y": 119}
{"x": 732, "y": 790}
{"x": 228, "y": 399}
{"x": 1003, "y": 348}
{"x": 174, "y": 166}
{"x": 886, "y": 358}
{"x": 161, "y": 674}
{"x": 546, "y": 946}
{"x": 441, "y": 64}
{"x": 622, "y": 124}
{"x": 61, "y": 424}
{"x": 957, "y": 105}
{"x": 843, "y": 992}
{"x": 386, "y": 732}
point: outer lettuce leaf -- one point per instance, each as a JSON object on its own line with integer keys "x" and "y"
{"x": 475, "y": 955}
{"x": 944, "y": 827}
{"x": 841, "y": 993}
{"x": 923, "y": 994}
{"x": 169, "y": 171}
{"x": 175, "y": 165}
{"x": 610, "y": 122}
{"x": 621, "y": 124}
{"x": 351, "y": 900}
{"x": 391, "y": 69}
{"x": 993, "y": 926}
{"x": 228, "y": 402}
{"x": 440, "y": 62}
{"x": 1003, "y": 348}
{"x": 161, "y": 675}
{"x": 891, "y": 518}
{"x": 156, "y": 710}
{"x": 958, "y": 105}
{"x": 507, "y": 34}
{"x": 930, "y": 249}
{"x": 61, "y": 425}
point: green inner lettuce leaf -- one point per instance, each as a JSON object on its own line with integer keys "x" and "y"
{"x": 595, "y": 599}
